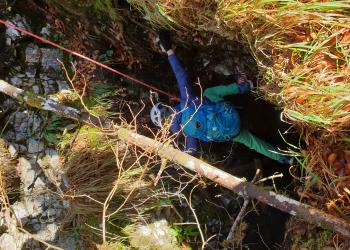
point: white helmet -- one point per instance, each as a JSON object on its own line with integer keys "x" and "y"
{"x": 159, "y": 112}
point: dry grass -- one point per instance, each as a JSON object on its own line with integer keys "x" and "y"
{"x": 9, "y": 184}
{"x": 302, "y": 48}
{"x": 109, "y": 184}
{"x": 326, "y": 176}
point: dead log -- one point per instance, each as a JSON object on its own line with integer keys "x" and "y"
{"x": 239, "y": 186}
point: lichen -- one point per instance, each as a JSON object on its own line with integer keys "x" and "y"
{"x": 33, "y": 100}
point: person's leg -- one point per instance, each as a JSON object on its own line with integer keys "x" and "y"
{"x": 251, "y": 141}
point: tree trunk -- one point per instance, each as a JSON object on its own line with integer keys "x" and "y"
{"x": 239, "y": 186}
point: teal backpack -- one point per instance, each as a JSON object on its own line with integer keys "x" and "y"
{"x": 214, "y": 121}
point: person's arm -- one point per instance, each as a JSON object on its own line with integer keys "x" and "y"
{"x": 217, "y": 93}
{"x": 181, "y": 77}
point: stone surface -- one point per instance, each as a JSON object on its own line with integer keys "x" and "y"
{"x": 21, "y": 126}
{"x": 49, "y": 87}
{"x": 12, "y": 34}
{"x": 45, "y": 31}
{"x": 49, "y": 62}
{"x": 31, "y": 71}
{"x": 34, "y": 123}
{"x": 32, "y": 54}
{"x": 36, "y": 89}
{"x": 21, "y": 212}
{"x": 28, "y": 174}
{"x": 13, "y": 150}
{"x": 10, "y": 135}
{"x": 7, "y": 241}
{"x": 35, "y": 146}
{"x": 53, "y": 158}
{"x": 69, "y": 243}
{"x": 48, "y": 232}
{"x": 15, "y": 80}
{"x": 62, "y": 85}
{"x": 38, "y": 208}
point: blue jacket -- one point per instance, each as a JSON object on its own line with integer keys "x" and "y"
{"x": 187, "y": 99}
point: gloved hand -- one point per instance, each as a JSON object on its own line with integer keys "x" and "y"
{"x": 245, "y": 87}
{"x": 165, "y": 40}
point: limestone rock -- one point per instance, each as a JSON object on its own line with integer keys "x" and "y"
{"x": 31, "y": 72}
{"x": 49, "y": 62}
{"x": 32, "y": 54}
{"x": 7, "y": 241}
{"x": 45, "y": 31}
{"x": 49, "y": 87}
{"x": 28, "y": 174}
{"x": 49, "y": 232}
{"x": 21, "y": 125}
{"x": 21, "y": 212}
{"x": 13, "y": 150}
{"x": 36, "y": 89}
{"x": 15, "y": 80}
{"x": 53, "y": 158}
{"x": 34, "y": 122}
{"x": 62, "y": 85}
{"x": 68, "y": 242}
{"x": 12, "y": 34}
{"x": 35, "y": 146}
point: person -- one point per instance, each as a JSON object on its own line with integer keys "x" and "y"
{"x": 209, "y": 118}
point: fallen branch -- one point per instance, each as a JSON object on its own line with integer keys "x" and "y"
{"x": 239, "y": 186}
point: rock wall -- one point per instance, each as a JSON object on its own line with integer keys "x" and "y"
{"x": 40, "y": 209}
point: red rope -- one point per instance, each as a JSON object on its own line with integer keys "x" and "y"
{"x": 90, "y": 60}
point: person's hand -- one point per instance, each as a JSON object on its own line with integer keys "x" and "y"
{"x": 242, "y": 79}
{"x": 165, "y": 40}
{"x": 244, "y": 84}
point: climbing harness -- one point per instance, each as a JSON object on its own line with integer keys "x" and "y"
{"x": 90, "y": 60}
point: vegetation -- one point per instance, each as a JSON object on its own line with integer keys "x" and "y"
{"x": 9, "y": 184}
{"x": 302, "y": 49}
{"x": 107, "y": 184}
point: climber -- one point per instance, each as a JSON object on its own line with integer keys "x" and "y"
{"x": 209, "y": 118}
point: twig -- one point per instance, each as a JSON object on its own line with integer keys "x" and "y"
{"x": 162, "y": 167}
{"x": 196, "y": 218}
{"x": 272, "y": 177}
{"x": 241, "y": 214}
{"x": 262, "y": 239}
{"x": 230, "y": 237}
